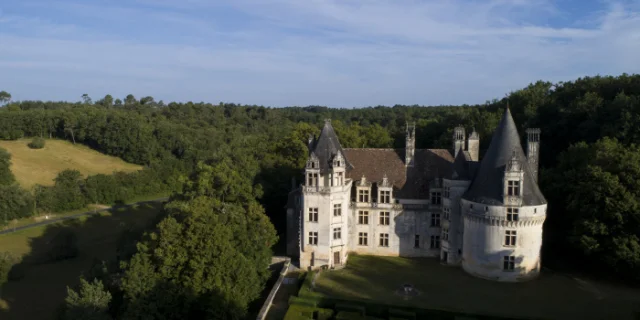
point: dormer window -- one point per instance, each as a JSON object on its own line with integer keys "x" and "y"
{"x": 363, "y": 195}
{"x": 385, "y": 196}
{"x": 513, "y": 188}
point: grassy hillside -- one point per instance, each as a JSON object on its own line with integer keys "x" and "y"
{"x": 40, "y": 166}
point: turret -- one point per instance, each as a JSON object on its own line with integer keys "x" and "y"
{"x": 533, "y": 150}
{"x": 410, "y": 144}
{"x": 458, "y": 140}
{"x": 473, "y": 145}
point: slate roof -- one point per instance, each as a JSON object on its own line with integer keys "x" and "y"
{"x": 487, "y": 186}
{"x": 463, "y": 167}
{"x": 326, "y": 146}
{"x": 408, "y": 183}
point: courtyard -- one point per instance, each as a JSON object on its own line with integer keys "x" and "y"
{"x": 551, "y": 296}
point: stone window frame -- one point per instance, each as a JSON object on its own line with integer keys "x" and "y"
{"x": 436, "y": 198}
{"x": 363, "y": 239}
{"x": 510, "y": 238}
{"x": 445, "y": 234}
{"x": 363, "y": 217}
{"x": 313, "y": 179}
{"x": 385, "y": 196}
{"x": 513, "y": 213}
{"x": 337, "y": 233}
{"x": 435, "y": 242}
{"x": 446, "y": 193}
{"x": 509, "y": 263}
{"x": 446, "y": 212}
{"x": 364, "y": 195}
{"x": 313, "y": 214}
{"x": 384, "y": 240}
{"x": 313, "y": 238}
{"x": 435, "y": 219}
{"x": 337, "y": 209}
{"x": 384, "y": 218}
{"x": 514, "y": 188}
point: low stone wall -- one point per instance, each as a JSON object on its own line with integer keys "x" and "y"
{"x": 272, "y": 294}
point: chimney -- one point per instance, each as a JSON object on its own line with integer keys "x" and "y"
{"x": 410, "y": 144}
{"x": 533, "y": 150}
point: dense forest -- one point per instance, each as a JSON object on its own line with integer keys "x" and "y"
{"x": 229, "y": 167}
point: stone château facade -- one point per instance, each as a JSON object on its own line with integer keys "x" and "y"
{"x": 484, "y": 214}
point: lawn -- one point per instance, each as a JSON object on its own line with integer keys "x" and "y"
{"x": 551, "y": 296}
{"x": 40, "y": 166}
{"x": 43, "y": 288}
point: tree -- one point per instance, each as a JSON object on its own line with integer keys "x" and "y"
{"x": 68, "y": 191}
{"x": 37, "y": 143}
{"x": 130, "y": 100}
{"x": 7, "y": 260}
{"x": 4, "y": 97}
{"x": 601, "y": 202}
{"x": 6, "y": 176}
{"x": 118, "y": 103}
{"x": 107, "y": 101}
{"x": 207, "y": 260}
{"x": 86, "y": 99}
{"x": 146, "y": 100}
{"x": 89, "y": 302}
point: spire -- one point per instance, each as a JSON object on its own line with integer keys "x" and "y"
{"x": 326, "y": 146}
{"x": 487, "y": 187}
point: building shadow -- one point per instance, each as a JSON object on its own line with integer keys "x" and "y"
{"x": 66, "y": 250}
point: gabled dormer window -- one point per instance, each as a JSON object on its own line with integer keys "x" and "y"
{"x": 338, "y": 160}
{"x": 513, "y": 188}
{"x": 385, "y": 196}
{"x": 363, "y": 195}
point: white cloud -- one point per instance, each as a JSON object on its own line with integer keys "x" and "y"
{"x": 334, "y": 52}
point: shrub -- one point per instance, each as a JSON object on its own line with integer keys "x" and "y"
{"x": 36, "y": 143}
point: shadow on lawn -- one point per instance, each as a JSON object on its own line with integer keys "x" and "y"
{"x": 66, "y": 250}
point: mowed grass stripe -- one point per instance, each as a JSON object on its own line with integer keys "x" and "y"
{"x": 41, "y": 166}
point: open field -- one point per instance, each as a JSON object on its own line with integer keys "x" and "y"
{"x": 40, "y": 166}
{"x": 97, "y": 238}
{"x": 552, "y": 296}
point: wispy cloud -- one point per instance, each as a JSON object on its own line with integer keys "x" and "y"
{"x": 341, "y": 53}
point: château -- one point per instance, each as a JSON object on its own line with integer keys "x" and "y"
{"x": 483, "y": 214}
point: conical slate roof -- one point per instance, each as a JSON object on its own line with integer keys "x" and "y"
{"x": 487, "y": 187}
{"x": 326, "y": 146}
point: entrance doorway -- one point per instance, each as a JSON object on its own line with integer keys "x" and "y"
{"x": 336, "y": 258}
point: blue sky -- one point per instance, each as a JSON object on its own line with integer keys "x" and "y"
{"x": 338, "y": 53}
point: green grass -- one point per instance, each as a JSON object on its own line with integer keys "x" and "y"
{"x": 552, "y": 296}
{"x": 41, "y": 166}
{"x": 43, "y": 288}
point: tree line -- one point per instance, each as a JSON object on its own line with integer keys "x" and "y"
{"x": 589, "y": 154}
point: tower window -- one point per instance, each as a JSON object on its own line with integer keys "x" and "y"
{"x": 312, "y": 179}
{"x": 447, "y": 212}
{"x": 337, "y": 233}
{"x": 510, "y": 238}
{"x": 512, "y": 214}
{"x": 363, "y": 239}
{"x": 313, "y": 238}
{"x": 337, "y": 210}
{"x": 313, "y": 214}
{"x": 445, "y": 234}
{"x": 436, "y": 198}
{"x": 435, "y": 219}
{"x": 509, "y": 263}
{"x": 384, "y": 239}
{"x": 513, "y": 188}
{"x": 363, "y": 217}
{"x": 447, "y": 192}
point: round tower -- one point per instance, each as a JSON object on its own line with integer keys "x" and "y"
{"x": 503, "y": 212}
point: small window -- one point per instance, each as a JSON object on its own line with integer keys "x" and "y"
{"x": 337, "y": 233}
{"x": 384, "y": 218}
{"x": 363, "y": 239}
{"x": 313, "y": 238}
{"x": 313, "y": 214}
{"x": 447, "y": 192}
{"x": 447, "y": 213}
{"x": 509, "y": 263}
{"x": 436, "y": 198}
{"x": 363, "y": 195}
{"x": 435, "y": 242}
{"x": 384, "y": 239}
{"x": 435, "y": 219}
{"x": 445, "y": 234}
{"x": 416, "y": 241}
{"x": 337, "y": 210}
{"x": 486, "y": 209}
{"x": 513, "y": 188}
{"x": 510, "y": 238}
{"x": 512, "y": 214}
{"x": 535, "y": 210}
{"x": 385, "y": 196}
{"x": 363, "y": 217}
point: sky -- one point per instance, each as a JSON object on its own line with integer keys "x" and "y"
{"x": 336, "y": 53}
